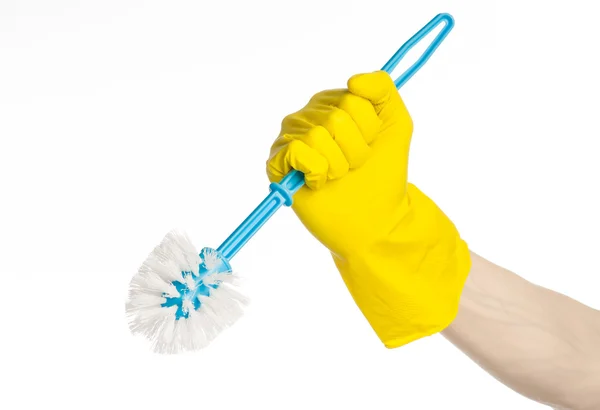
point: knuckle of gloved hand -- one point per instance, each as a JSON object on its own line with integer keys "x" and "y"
{"x": 309, "y": 161}
{"x": 318, "y": 96}
{"x": 349, "y": 101}
{"x": 325, "y": 96}
{"x": 337, "y": 119}
{"x": 316, "y": 137}
{"x": 320, "y": 139}
{"x": 288, "y": 121}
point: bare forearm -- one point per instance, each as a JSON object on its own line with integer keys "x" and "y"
{"x": 540, "y": 343}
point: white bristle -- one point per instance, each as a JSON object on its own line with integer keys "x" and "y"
{"x": 210, "y": 259}
{"x": 174, "y": 255}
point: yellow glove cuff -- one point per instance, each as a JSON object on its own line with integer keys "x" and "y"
{"x": 407, "y": 282}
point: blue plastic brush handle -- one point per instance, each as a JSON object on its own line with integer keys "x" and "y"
{"x": 282, "y": 192}
{"x": 429, "y": 27}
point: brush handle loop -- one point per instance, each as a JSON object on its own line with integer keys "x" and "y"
{"x": 414, "y": 40}
{"x": 283, "y": 192}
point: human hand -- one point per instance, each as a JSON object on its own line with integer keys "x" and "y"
{"x": 399, "y": 255}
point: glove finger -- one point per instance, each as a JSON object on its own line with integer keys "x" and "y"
{"x": 319, "y": 139}
{"x": 297, "y": 155}
{"x": 347, "y": 135}
{"x": 363, "y": 114}
{"x": 360, "y": 109}
{"x": 299, "y": 126}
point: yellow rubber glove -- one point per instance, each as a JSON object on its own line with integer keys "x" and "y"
{"x": 401, "y": 258}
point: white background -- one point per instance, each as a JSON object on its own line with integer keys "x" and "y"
{"x": 122, "y": 119}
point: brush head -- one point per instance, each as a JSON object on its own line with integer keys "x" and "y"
{"x": 180, "y": 299}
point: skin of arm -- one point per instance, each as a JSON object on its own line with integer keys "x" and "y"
{"x": 543, "y": 345}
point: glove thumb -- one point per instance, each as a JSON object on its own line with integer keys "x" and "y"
{"x": 377, "y": 87}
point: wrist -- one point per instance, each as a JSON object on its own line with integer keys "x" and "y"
{"x": 408, "y": 280}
